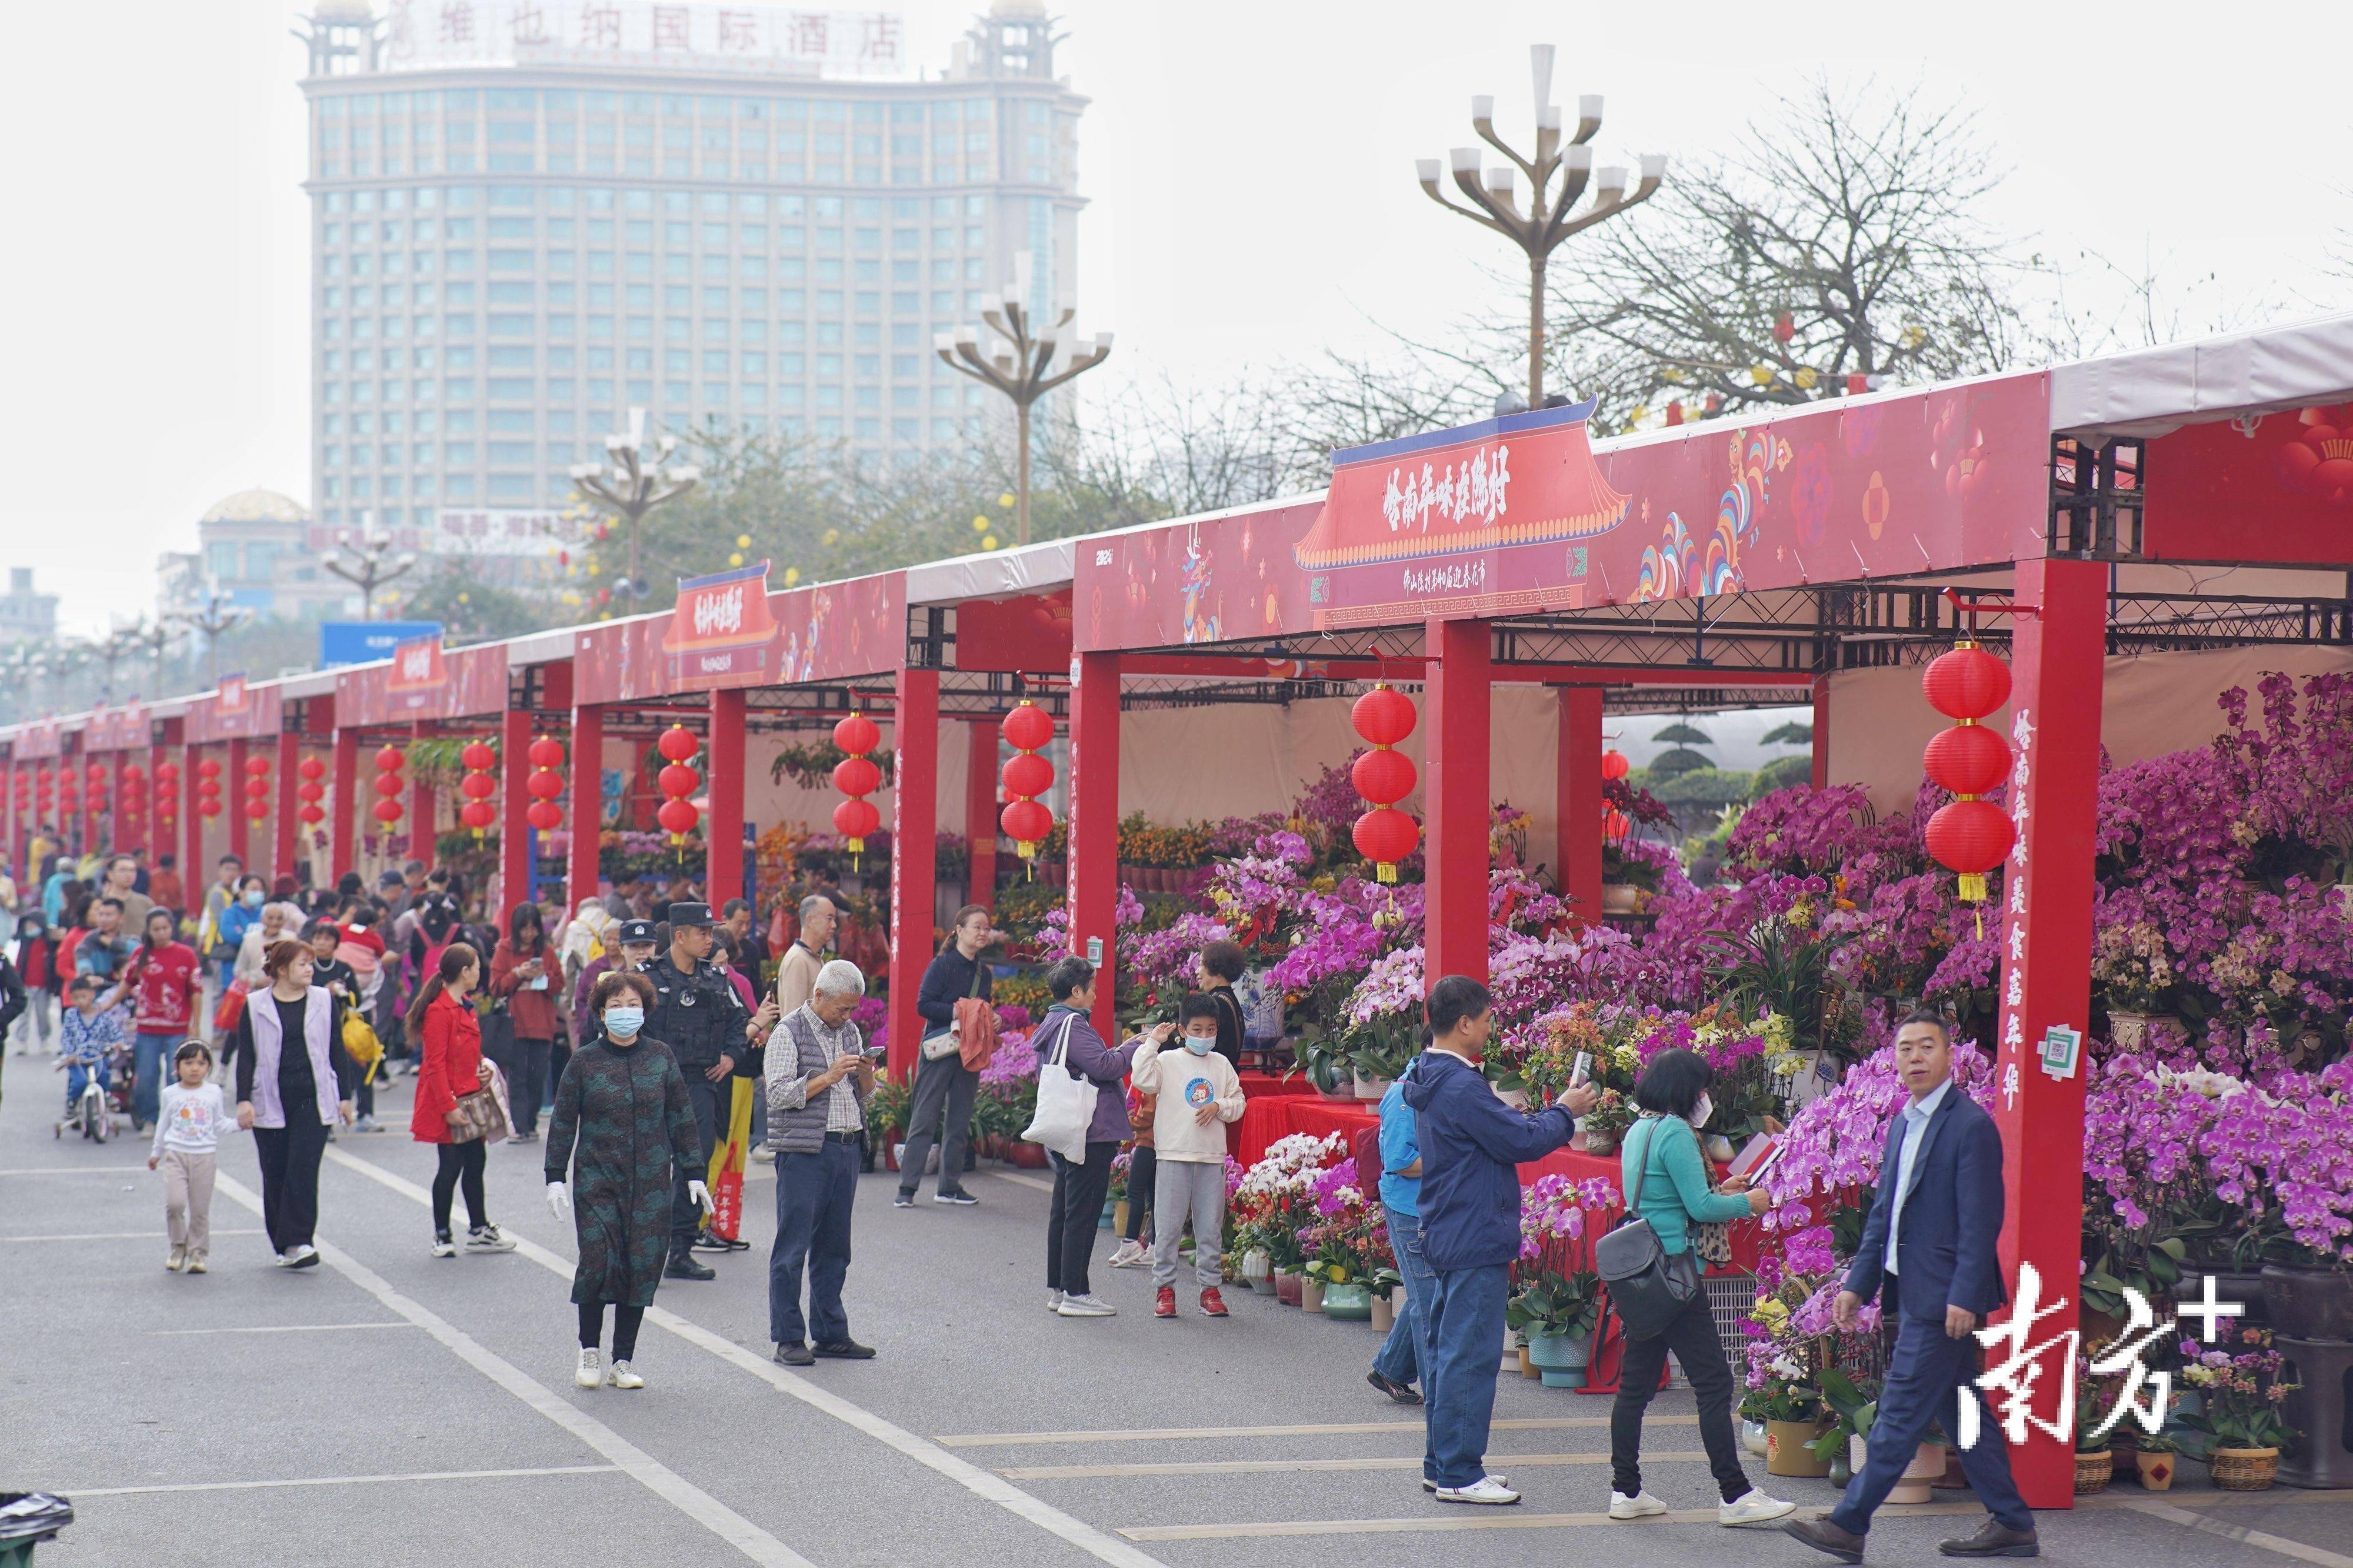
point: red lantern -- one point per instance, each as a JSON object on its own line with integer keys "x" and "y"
{"x": 678, "y": 816}
{"x": 1966, "y": 683}
{"x": 477, "y": 787}
{"x": 1385, "y": 836}
{"x": 389, "y": 760}
{"x": 311, "y": 768}
{"x": 312, "y": 813}
{"x": 255, "y": 767}
{"x": 390, "y": 786}
{"x": 857, "y": 776}
{"x": 1971, "y": 835}
{"x": 478, "y": 815}
{"x": 544, "y": 784}
{"x": 1614, "y": 826}
{"x": 257, "y": 809}
{"x": 547, "y": 753}
{"x": 544, "y": 815}
{"x": 1028, "y": 730}
{"x": 386, "y": 812}
{"x": 1968, "y": 759}
{"x": 479, "y": 756}
{"x": 1614, "y": 764}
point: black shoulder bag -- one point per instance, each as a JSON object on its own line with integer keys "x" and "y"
{"x": 1647, "y": 1285}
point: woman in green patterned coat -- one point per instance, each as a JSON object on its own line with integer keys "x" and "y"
{"x": 625, "y": 1101}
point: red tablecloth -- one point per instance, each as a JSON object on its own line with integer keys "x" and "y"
{"x": 1257, "y": 1083}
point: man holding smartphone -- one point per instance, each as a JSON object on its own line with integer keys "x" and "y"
{"x": 819, "y": 1077}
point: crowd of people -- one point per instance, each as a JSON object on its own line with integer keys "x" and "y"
{"x": 650, "y": 1048}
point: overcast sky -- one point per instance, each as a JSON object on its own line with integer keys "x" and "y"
{"x": 1249, "y": 163}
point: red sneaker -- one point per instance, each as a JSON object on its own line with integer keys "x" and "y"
{"x": 1212, "y": 1304}
{"x": 1164, "y": 1305}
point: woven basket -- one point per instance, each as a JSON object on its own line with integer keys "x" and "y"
{"x": 2244, "y": 1469}
{"x": 2093, "y": 1471}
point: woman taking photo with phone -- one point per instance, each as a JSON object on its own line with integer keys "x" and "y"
{"x": 450, "y": 1071}
{"x": 521, "y": 976}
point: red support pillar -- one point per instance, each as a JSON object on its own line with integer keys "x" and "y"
{"x": 980, "y": 814}
{"x": 1820, "y": 778}
{"x": 1456, "y": 695}
{"x": 281, "y": 840}
{"x": 157, "y": 845}
{"x": 195, "y": 874}
{"x": 233, "y": 803}
{"x": 343, "y": 791}
{"x": 723, "y": 835}
{"x": 1094, "y": 854}
{"x": 1577, "y": 794}
{"x": 587, "y": 802}
{"x": 421, "y": 806}
{"x": 915, "y": 835}
{"x": 515, "y": 832}
{"x": 2047, "y": 896}
{"x": 114, "y": 761}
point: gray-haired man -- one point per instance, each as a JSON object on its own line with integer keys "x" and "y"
{"x": 816, "y": 1097}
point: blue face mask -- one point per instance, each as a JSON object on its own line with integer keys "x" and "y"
{"x": 623, "y": 1023}
{"x": 253, "y": 899}
{"x": 1200, "y": 1044}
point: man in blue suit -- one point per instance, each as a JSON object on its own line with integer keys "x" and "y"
{"x": 1928, "y": 1252}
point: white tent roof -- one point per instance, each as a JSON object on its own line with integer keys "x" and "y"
{"x": 2151, "y": 391}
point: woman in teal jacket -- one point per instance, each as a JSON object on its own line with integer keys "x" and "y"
{"x": 1665, "y": 1177}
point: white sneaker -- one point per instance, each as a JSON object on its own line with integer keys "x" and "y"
{"x": 442, "y": 1245}
{"x": 1053, "y": 1300}
{"x": 763, "y": 1155}
{"x": 621, "y": 1377}
{"x": 177, "y": 1261}
{"x": 1429, "y": 1486}
{"x": 591, "y": 1373}
{"x": 303, "y": 1256}
{"x": 1086, "y": 1307}
{"x": 489, "y": 1238}
{"x": 1486, "y": 1490}
{"x": 1753, "y": 1507}
{"x": 1641, "y": 1505}
{"x": 1131, "y": 1255}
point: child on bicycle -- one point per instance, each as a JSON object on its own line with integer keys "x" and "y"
{"x": 88, "y": 1037}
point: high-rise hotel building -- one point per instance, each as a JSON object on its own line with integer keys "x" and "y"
{"x": 528, "y": 216}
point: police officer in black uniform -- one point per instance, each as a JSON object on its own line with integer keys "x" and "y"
{"x": 698, "y": 1015}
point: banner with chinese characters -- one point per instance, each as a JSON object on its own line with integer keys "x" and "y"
{"x": 830, "y": 631}
{"x": 425, "y": 35}
{"x": 42, "y": 739}
{"x": 525, "y": 535}
{"x": 232, "y": 712}
{"x": 720, "y": 630}
{"x": 423, "y": 680}
{"x": 116, "y": 729}
{"x": 1525, "y": 513}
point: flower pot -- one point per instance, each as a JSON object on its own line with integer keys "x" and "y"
{"x": 2156, "y": 1469}
{"x": 1528, "y": 1368}
{"x": 2092, "y": 1470}
{"x": 2244, "y": 1469}
{"x": 2308, "y": 1303}
{"x": 1789, "y": 1451}
{"x": 1752, "y": 1435}
{"x": 890, "y": 1148}
{"x": 1383, "y": 1311}
{"x": 1620, "y": 898}
{"x": 1311, "y": 1293}
{"x": 1350, "y": 1303}
{"x": 1028, "y": 1156}
{"x": 1119, "y": 1217}
{"x": 1258, "y": 1271}
{"x": 1561, "y": 1359}
{"x": 931, "y": 1157}
{"x": 1928, "y": 1467}
{"x": 1287, "y": 1286}
{"x": 1370, "y": 1088}
{"x": 2129, "y": 1031}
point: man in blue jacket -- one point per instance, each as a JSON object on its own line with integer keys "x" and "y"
{"x": 1928, "y": 1250}
{"x": 1471, "y": 1147}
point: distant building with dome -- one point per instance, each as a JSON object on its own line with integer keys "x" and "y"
{"x": 260, "y": 549}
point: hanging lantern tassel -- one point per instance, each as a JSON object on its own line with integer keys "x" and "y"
{"x": 1028, "y": 730}
{"x": 857, "y": 775}
{"x": 677, "y": 781}
{"x": 1383, "y": 776}
{"x": 477, "y": 787}
{"x": 1970, "y": 834}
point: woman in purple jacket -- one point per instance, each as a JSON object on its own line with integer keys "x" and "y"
{"x": 1080, "y": 1188}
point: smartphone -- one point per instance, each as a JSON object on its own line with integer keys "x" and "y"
{"x": 1582, "y": 1070}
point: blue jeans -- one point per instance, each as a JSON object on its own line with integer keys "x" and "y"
{"x": 78, "y": 1077}
{"x": 1928, "y": 1377}
{"x": 1466, "y": 1347}
{"x": 813, "y": 1193}
{"x": 1406, "y": 1351}
{"x": 150, "y": 1053}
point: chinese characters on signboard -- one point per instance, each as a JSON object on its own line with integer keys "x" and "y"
{"x": 535, "y": 535}
{"x": 424, "y": 34}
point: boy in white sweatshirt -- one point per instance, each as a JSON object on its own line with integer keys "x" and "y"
{"x": 188, "y": 1126}
{"x": 1199, "y": 1093}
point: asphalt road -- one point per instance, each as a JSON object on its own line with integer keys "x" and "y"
{"x": 392, "y": 1408}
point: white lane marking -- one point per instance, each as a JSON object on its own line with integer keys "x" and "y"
{"x": 1336, "y": 1428}
{"x": 80, "y": 1492}
{"x": 283, "y": 1328}
{"x": 649, "y": 1472}
{"x": 79, "y": 1170}
{"x": 1503, "y": 1464}
{"x": 118, "y": 1236}
{"x": 1096, "y": 1543}
{"x": 2263, "y": 1537}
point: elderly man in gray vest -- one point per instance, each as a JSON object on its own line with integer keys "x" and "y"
{"x": 819, "y": 1077}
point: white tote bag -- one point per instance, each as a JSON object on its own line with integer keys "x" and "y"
{"x": 1066, "y": 1105}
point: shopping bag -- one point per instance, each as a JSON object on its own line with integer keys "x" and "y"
{"x": 1066, "y": 1105}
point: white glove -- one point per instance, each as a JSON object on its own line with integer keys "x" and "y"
{"x": 559, "y": 1199}
{"x": 700, "y": 1193}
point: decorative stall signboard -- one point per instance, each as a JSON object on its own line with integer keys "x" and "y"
{"x": 232, "y": 712}
{"x": 43, "y": 738}
{"x": 824, "y": 633}
{"x": 423, "y": 680}
{"x": 2274, "y": 488}
{"x": 1524, "y": 514}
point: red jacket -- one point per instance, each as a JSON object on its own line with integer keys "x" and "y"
{"x": 451, "y": 1066}
{"x": 533, "y": 1011}
{"x": 168, "y": 984}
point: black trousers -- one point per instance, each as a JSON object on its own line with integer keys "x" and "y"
{"x": 1141, "y": 1176}
{"x": 1079, "y": 1191}
{"x": 625, "y": 1328}
{"x": 290, "y": 1179}
{"x": 1691, "y": 1336}
{"x": 527, "y": 1081}
{"x": 462, "y": 1164}
{"x": 945, "y": 1088}
{"x": 711, "y": 1102}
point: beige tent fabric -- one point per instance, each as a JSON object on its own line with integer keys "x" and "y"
{"x": 2150, "y": 704}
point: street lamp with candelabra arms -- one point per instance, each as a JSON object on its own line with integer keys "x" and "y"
{"x": 214, "y": 617}
{"x": 1541, "y": 227}
{"x": 641, "y": 476}
{"x": 369, "y": 563}
{"x": 1021, "y": 365}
